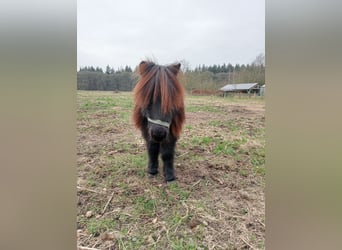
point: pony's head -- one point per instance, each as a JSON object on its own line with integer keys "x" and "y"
{"x": 159, "y": 100}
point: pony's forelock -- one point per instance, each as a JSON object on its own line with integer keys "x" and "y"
{"x": 155, "y": 82}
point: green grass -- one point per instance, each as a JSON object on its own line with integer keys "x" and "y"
{"x": 202, "y": 108}
{"x": 92, "y": 102}
{"x": 229, "y": 147}
{"x": 98, "y": 226}
{"x": 145, "y": 205}
{"x": 257, "y": 159}
{"x": 91, "y": 182}
{"x": 231, "y": 125}
{"x": 204, "y": 140}
{"x": 189, "y": 127}
{"x": 179, "y": 192}
{"x": 225, "y": 148}
{"x": 125, "y": 116}
{"x": 243, "y": 172}
{"x": 99, "y": 104}
{"x": 183, "y": 243}
{"x": 148, "y": 213}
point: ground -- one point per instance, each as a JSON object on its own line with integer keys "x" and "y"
{"x": 217, "y": 201}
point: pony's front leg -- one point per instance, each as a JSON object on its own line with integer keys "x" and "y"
{"x": 153, "y": 152}
{"x": 167, "y": 154}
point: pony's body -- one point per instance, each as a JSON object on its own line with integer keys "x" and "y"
{"x": 159, "y": 113}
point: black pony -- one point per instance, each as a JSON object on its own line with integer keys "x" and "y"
{"x": 159, "y": 113}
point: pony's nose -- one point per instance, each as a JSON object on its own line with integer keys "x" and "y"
{"x": 158, "y": 133}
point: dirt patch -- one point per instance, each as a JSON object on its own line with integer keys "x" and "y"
{"x": 217, "y": 201}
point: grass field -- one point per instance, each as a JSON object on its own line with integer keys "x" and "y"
{"x": 217, "y": 201}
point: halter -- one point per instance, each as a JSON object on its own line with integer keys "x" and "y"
{"x": 159, "y": 122}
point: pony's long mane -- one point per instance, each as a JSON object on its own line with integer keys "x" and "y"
{"x": 159, "y": 83}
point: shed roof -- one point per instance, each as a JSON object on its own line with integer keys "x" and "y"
{"x": 238, "y": 86}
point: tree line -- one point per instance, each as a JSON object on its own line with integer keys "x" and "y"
{"x": 95, "y": 78}
{"x": 202, "y": 77}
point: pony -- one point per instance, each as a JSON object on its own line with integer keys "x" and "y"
{"x": 159, "y": 113}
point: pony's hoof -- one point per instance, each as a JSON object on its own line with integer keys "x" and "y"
{"x": 170, "y": 179}
{"x": 152, "y": 171}
{"x": 152, "y": 174}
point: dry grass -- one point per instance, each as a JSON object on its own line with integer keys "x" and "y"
{"x": 217, "y": 201}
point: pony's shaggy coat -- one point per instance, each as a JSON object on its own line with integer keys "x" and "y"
{"x": 159, "y": 82}
{"x": 159, "y": 95}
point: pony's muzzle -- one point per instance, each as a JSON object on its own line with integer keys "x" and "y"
{"x": 158, "y": 133}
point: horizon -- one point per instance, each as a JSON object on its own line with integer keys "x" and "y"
{"x": 122, "y": 67}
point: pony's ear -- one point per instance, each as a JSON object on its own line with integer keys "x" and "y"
{"x": 174, "y": 68}
{"x": 143, "y": 66}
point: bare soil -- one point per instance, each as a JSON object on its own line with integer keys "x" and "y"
{"x": 217, "y": 201}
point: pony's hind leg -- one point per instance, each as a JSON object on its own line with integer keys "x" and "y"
{"x": 153, "y": 152}
{"x": 167, "y": 154}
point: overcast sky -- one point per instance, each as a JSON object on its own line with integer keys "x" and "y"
{"x": 124, "y": 32}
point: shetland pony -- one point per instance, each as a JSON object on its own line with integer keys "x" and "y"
{"x": 159, "y": 113}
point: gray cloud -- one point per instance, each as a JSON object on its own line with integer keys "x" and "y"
{"x": 198, "y": 31}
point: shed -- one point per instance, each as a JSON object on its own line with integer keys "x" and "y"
{"x": 241, "y": 88}
{"x": 262, "y": 90}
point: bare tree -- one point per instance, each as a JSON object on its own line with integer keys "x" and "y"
{"x": 259, "y": 60}
{"x": 185, "y": 65}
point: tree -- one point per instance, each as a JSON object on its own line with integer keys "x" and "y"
{"x": 230, "y": 67}
{"x": 98, "y": 69}
{"x": 204, "y": 77}
{"x": 259, "y": 60}
{"x": 108, "y": 70}
{"x": 185, "y": 65}
{"x": 128, "y": 69}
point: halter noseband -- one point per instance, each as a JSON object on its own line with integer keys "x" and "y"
{"x": 159, "y": 122}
